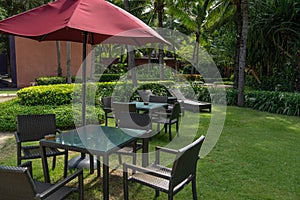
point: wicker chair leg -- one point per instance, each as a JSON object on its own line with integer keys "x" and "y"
{"x": 53, "y": 162}
{"x": 91, "y": 163}
{"x": 156, "y": 193}
{"x": 170, "y": 196}
{"x": 66, "y": 164}
{"x": 81, "y": 187}
{"x": 19, "y": 154}
{"x": 170, "y": 132}
{"x": 106, "y": 119}
{"x": 125, "y": 184}
{"x": 98, "y": 166}
{"x": 120, "y": 159}
{"x": 194, "y": 189}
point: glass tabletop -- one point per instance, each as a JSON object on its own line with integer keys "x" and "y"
{"x": 96, "y": 138}
{"x": 149, "y": 106}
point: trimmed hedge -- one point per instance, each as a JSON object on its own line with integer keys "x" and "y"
{"x": 275, "y": 102}
{"x": 46, "y": 95}
{"x": 66, "y": 115}
{"x": 51, "y": 80}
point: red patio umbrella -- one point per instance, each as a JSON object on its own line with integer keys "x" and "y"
{"x": 68, "y": 19}
{"x": 85, "y": 21}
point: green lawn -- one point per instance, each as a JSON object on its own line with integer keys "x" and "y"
{"x": 256, "y": 157}
{"x": 5, "y": 91}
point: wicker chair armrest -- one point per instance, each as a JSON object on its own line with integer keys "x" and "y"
{"x": 167, "y": 150}
{"x": 60, "y": 184}
{"x": 145, "y": 170}
{"x": 159, "y": 149}
{"x": 28, "y": 165}
{"x": 17, "y": 137}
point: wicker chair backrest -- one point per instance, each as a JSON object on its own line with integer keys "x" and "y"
{"x": 35, "y": 127}
{"x": 135, "y": 121}
{"x": 176, "y": 111}
{"x": 107, "y": 101}
{"x": 158, "y": 99}
{"x": 16, "y": 183}
{"x": 186, "y": 162}
{"x": 145, "y": 94}
{"x": 119, "y": 107}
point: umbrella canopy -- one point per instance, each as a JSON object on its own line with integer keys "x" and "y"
{"x": 66, "y": 20}
{"x": 85, "y": 21}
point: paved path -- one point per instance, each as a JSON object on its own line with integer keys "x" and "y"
{"x": 3, "y": 137}
{"x": 6, "y": 97}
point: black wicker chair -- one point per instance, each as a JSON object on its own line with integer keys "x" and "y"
{"x": 145, "y": 94}
{"x": 168, "y": 180}
{"x": 107, "y": 108}
{"x": 33, "y": 128}
{"x": 134, "y": 121}
{"x": 17, "y": 183}
{"x": 158, "y": 99}
{"x": 168, "y": 118}
{"x": 119, "y": 107}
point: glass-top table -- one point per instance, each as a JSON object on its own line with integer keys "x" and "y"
{"x": 95, "y": 140}
{"x": 149, "y": 105}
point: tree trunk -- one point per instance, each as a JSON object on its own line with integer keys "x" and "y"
{"x": 69, "y": 80}
{"x": 243, "y": 53}
{"x": 238, "y": 42}
{"x": 131, "y": 61}
{"x": 59, "y": 70}
{"x": 92, "y": 74}
{"x": 160, "y": 10}
{"x": 196, "y": 54}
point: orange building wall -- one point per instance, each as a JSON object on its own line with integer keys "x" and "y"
{"x": 36, "y": 59}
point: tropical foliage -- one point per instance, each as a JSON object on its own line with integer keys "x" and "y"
{"x": 272, "y": 47}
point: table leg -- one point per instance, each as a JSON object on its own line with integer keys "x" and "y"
{"x": 45, "y": 164}
{"x": 145, "y": 157}
{"x": 105, "y": 177}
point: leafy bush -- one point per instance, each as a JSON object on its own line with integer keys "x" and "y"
{"x": 275, "y": 102}
{"x": 66, "y": 115}
{"x": 46, "y": 95}
{"x": 285, "y": 103}
{"x": 107, "y": 77}
{"x": 51, "y": 80}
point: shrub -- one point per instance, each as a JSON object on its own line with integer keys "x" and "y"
{"x": 66, "y": 115}
{"x": 107, "y": 77}
{"x": 275, "y": 102}
{"x": 46, "y": 95}
{"x": 51, "y": 80}
{"x": 284, "y": 103}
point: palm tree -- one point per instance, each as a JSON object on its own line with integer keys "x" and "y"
{"x": 202, "y": 17}
{"x": 274, "y": 39}
{"x": 243, "y": 52}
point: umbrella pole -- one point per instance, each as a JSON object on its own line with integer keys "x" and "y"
{"x": 84, "y": 35}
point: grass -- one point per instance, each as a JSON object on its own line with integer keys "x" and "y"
{"x": 256, "y": 157}
{"x": 7, "y": 91}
